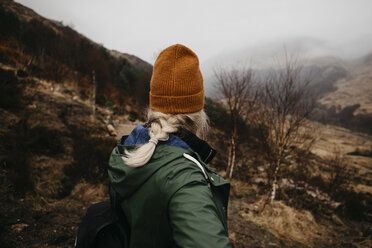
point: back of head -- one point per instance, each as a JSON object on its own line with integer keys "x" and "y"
{"x": 176, "y": 100}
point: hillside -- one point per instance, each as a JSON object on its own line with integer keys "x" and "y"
{"x": 53, "y": 166}
{"x": 53, "y": 151}
{"x": 58, "y": 53}
{"x": 346, "y": 100}
{"x": 354, "y": 89}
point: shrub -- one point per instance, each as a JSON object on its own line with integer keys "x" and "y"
{"x": 340, "y": 175}
{"x": 91, "y": 154}
{"x": 10, "y": 90}
{"x": 16, "y": 159}
{"x": 217, "y": 114}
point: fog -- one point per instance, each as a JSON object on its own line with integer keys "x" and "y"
{"x": 219, "y": 29}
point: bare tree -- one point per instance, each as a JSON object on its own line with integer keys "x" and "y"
{"x": 93, "y": 99}
{"x": 282, "y": 119}
{"x": 340, "y": 173}
{"x": 238, "y": 92}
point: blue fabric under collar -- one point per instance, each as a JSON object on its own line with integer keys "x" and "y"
{"x": 140, "y": 135}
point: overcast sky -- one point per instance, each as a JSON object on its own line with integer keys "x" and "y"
{"x": 214, "y": 27}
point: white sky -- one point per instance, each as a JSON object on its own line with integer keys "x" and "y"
{"x": 214, "y": 27}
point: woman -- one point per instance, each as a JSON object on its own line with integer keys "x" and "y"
{"x": 171, "y": 197}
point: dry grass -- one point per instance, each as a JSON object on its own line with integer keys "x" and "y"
{"x": 88, "y": 192}
{"x": 49, "y": 171}
{"x": 299, "y": 227}
{"x": 291, "y": 225}
{"x": 336, "y": 137}
{"x": 284, "y": 222}
{"x": 346, "y": 142}
{"x": 362, "y": 188}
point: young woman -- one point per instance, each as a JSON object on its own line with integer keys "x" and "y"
{"x": 171, "y": 197}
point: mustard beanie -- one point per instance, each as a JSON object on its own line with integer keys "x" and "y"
{"x": 176, "y": 84}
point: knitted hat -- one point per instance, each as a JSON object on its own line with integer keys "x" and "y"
{"x": 176, "y": 84}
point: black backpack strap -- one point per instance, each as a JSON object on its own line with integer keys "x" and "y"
{"x": 104, "y": 225}
{"x": 98, "y": 216}
{"x": 115, "y": 200}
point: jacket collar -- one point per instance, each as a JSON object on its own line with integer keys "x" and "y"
{"x": 205, "y": 151}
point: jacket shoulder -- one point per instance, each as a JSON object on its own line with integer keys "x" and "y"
{"x": 179, "y": 172}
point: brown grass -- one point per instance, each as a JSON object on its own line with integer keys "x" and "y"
{"x": 88, "y": 192}
{"x": 284, "y": 222}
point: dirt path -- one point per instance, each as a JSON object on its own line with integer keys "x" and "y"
{"x": 124, "y": 129}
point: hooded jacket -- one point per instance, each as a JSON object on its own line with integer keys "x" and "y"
{"x": 171, "y": 201}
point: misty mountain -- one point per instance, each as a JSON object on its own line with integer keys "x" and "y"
{"x": 322, "y": 63}
{"x": 342, "y": 87}
{"x": 322, "y": 73}
{"x": 321, "y": 68}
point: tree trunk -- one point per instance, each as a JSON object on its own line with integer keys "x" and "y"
{"x": 232, "y": 152}
{"x": 94, "y": 95}
{"x": 274, "y": 184}
{"x": 229, "y": 159}
{"x": 233, "y": 148}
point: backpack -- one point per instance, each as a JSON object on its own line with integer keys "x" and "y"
{"x": 104, "y": 225}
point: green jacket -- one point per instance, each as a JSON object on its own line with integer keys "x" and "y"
{"x": 168, "y": 202}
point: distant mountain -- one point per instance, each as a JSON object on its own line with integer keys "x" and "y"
{"x": 354, "y": 89}
{"x": 319, "y": 59}
{"x": 343, "y": 87}
{"x": 48, "y": 49}
{"x": 322, "y": 72}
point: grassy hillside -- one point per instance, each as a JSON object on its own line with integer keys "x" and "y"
{"x": 53, "y": 159}
{"x": 356, "y": 88}
{"x": 53, "y": 152}
{"x": 349, "y": 103}
{"x": 50, "y": 50}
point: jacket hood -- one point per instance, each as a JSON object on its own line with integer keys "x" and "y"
{"x": 125, "y": 179}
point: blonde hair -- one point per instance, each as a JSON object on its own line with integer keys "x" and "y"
{"x": 161, "y": 125}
